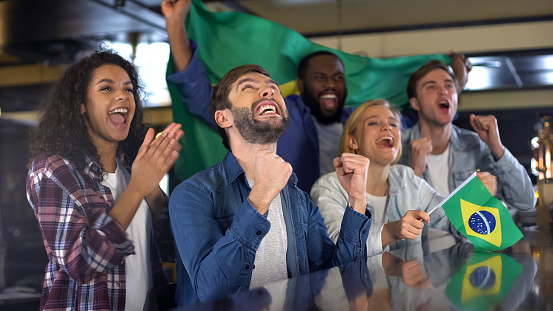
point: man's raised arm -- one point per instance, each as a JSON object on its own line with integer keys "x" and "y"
{"x": 175, "y": 12}
{"x": 189, "y": 73}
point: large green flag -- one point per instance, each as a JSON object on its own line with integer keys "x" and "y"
{"x": 483, "y": 281}
{"x": 229, "y": 39}
{"x": 481, "y": 217}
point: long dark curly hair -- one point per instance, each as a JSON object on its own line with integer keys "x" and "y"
{"x": 62, "y": 128}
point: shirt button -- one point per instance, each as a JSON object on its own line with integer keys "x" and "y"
{"x": 364, "y": 231}
{"x": 247, "y": 267}
{"x": 258, "y": 232}
{"x": 118, "y": 284}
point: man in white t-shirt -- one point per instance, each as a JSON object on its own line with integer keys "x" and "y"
{"x": 445, "y": 155}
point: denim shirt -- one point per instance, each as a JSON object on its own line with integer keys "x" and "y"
{"x": 406, "y": 191}
{"x": 299, "y": 145}
{"x": 469, "y": 153}
{"x": 217, "y": 232}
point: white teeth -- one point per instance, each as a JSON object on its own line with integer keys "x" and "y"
{"x": 389, "y": 139}
{"x": 332, "y": 96}
{"x": 266, "y": 109}
{"x": 119, "y": 110}
{"x": 444, "y": 103}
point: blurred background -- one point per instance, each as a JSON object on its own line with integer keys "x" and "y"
{"x": 509, "y": 43}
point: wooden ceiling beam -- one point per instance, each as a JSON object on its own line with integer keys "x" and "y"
{"x": 157, "y": 116}
{"x": 29, "y": 75}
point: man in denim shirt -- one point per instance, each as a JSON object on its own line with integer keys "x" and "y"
{"x": 445, "y": 155}
{"x": 244, "y": 222}
{"x": 316, "y": 116}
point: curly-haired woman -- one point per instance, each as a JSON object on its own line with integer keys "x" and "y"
{"x": 93, "y": 186}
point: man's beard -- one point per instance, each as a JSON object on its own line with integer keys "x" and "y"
{"x": 315, "y": 106}
{"x": 255, "y": 131}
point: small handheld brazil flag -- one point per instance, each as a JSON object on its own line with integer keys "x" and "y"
{"x": 480, "y": 217}
{"x": 483, "y": 281}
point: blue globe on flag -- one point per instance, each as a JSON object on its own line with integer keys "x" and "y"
{"x": 482, "y": 278}
{"x": 482, "y": 222}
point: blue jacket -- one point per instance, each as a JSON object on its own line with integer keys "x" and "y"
{"x": 217, "y": 232}
{"x": 468, "y": 153}
{"x": 299, "y": 145}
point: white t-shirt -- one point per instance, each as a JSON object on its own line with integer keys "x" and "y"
{"x": 438, "y": 170}
{"x": 270, "y": 258}
{"x": 329, "y": 142}
{"x": 379, "y": 205}
{"x": 138, "y": 277}
{"x": 278, "y": 294}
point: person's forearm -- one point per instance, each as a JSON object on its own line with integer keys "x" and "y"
{"x": 388, "y": 233}
{"x": 498, "y": 151}
{"x": 218, "y": 259}
{"x": 156, "y": 202}
{"x": 126, "y": 206}
{"x": 418, "y": 169}
{"x": 358, "y": 204}
{"x": 180, "y": 47}
{"x": 516, "y": 189}
{"x": 352, "y": 240}
{"x": 82, "y": 236}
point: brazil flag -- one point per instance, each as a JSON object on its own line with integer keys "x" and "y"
{"x": 230, "y": 39}
{"x": 483, "y": 281}
{"x": 480, "y": 217}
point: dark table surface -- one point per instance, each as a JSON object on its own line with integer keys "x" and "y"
{"x": 439, "y": 274}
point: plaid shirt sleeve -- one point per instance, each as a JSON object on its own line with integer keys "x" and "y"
{"x": 72, "y": 212}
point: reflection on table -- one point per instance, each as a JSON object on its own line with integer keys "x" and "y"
{"x": 439, "y": 274}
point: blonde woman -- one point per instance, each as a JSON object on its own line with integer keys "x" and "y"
{"x": 397, "y": 199}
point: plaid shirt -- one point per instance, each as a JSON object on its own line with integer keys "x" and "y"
{"x": 86, "y": 248}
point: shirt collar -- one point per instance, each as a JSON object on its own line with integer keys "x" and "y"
{"x": 233, "y": 169}
{"x": 394, "y": 182}
{"x": 454, "y": 141}
{"x": 94, "y": 169}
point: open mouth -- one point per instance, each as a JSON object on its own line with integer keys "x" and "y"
{"x": 386, "y": 142}
{"x": 443, "y": 104}
{"x": 268, "y": 108}
{"x": 329, "y": 101}
{"x": 118, "y": 116}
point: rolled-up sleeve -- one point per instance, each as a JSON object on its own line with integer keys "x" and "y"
{"x": 74, "y": 221}
{"x": 217, "y": 261}
{"x": 332, "y": 200}
{"x": 514, "y": 184}
{"x": 194, "y": 88}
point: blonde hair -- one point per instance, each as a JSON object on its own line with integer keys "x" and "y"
{"x": 355, "y": 118}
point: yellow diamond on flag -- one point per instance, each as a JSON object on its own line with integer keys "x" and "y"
{"x": 483, "y": 282}
{"x": 480, "y": 217}
{"x": 482, "y": 279}
{"x": 482, "y": 222}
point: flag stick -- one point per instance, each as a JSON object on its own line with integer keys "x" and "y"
{"x": 453, "y": 193}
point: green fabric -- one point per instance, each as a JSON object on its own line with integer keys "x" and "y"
{"x": 202, "y": 147}
{"x": 481, "y": 217}
{"x": 229, "y": 39}
{"x": 483, "y": 281}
